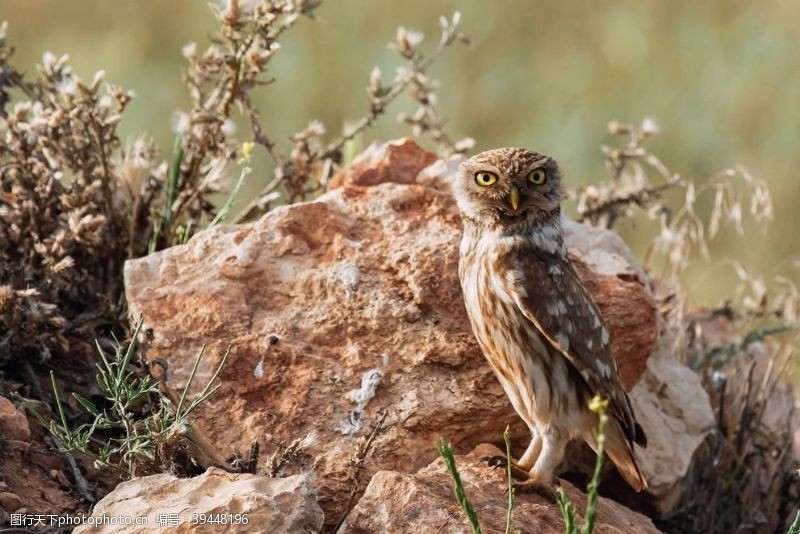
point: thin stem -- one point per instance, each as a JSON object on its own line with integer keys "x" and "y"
{"x": 189, "y": 382}
{"x": 446, "y": 452}
{"x": 223, "y": 212}
{"x": 217, "y": 372}
{"x": 594, "y": 484}
{"x": 509, "y": 512}
{"x": 178, "y": 152}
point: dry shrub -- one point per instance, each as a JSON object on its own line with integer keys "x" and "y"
{"x": 744, "y": 476}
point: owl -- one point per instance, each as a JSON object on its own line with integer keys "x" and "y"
{"x": 536, "y": 323}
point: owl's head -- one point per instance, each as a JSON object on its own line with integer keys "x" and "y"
{"x": 508, "y": 186}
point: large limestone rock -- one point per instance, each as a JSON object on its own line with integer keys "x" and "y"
{"x": 223, "y": 502}
{"x": 344, "y": 307}
{"x": 424, "y": 502}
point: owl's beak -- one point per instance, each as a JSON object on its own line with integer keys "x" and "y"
{"x": 513, "y": 198}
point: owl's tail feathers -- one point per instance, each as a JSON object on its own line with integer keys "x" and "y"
{"x": 620, "y": 450}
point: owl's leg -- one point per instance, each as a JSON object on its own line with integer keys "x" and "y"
{"x": 541, "y": 478}
{"x": 531, "y": 454}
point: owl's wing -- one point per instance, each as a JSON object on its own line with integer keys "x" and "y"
{"x": 551, "y": 295}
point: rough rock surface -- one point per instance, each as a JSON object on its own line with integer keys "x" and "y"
{"x": 675, "y": 412}
{"x": 424, "y": 502}
{"x": 275, "y": 505}
{"x": 340, "y": 308}
{"x": 399, "y": 161}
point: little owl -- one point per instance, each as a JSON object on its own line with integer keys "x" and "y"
{"x": 536, "y": 323}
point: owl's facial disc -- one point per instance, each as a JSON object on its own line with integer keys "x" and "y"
{"x": 510, "y": 187}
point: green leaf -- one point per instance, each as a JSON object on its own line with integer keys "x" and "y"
{"x": 86, "y": 403}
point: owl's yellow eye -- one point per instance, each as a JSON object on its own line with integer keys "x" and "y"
{"x": 485, "y": 179}
{"x": 537, "y": 177}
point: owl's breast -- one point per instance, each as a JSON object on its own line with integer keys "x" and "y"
{"x": 506, "y": 337}
{"x": 532, "y": 373}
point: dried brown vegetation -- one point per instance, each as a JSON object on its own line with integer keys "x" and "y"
{"x": 741, "y": 349}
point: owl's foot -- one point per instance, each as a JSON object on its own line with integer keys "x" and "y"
{"x": 501, "y": 462}
{"x": 532, "y": 485}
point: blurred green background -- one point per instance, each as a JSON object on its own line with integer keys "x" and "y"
{"x": 720, "y": 77}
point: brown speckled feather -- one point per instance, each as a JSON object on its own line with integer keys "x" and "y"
{"x": 551, "y": 296}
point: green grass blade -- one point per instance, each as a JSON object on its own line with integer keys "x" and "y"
{"x": 795, "y": 526}
{"x": 446, "y": 452}
{"x": 189, "y": 382}
{"x": 87, "y": 404}
{"x": 223, "y": 212}
{"x": 126, "y": 360}
{"x": 567, "y": 512}
{"x": 63, "y": 417}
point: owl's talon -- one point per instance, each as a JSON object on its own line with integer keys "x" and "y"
{"x": 501, "y": 462}
{"x": 496, "y": 461}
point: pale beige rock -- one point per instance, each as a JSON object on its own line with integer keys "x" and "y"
{"x": 424, "y": 502}
{"x": 275, "y": 505}
{"x": 675, "y": 412}
{"x": 361, "y": 289}
{"x": 13, "y": 423}
{"x": 441, "y": 173}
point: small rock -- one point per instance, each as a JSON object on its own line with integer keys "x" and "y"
{"x": 10, "y": 501}
{"x": 60, "y": 477}
{"x": 13, "y": 423}
{"x": 216, "y": 501}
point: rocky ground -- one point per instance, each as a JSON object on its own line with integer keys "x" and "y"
{"x": 351, "y": 355}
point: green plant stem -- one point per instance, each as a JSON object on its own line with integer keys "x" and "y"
{"x": 510, "y": 511}
{"x": 208, "y": 390}
{"x": 446, "y": 451}
{"x": 178, "y": 152}
{"x": 189, "y": 382}
{"x": 594, "y": 484}
{"x": 567, "y": 512}
{"x": 223, "y": 212}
